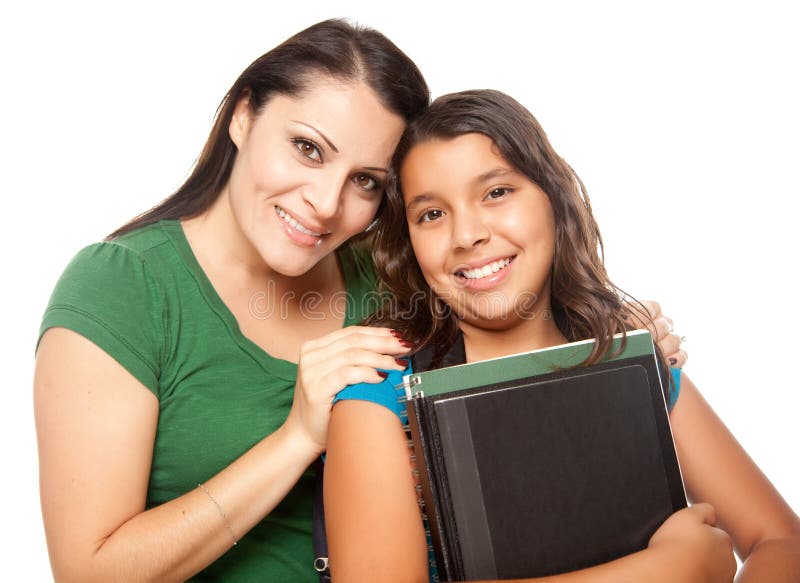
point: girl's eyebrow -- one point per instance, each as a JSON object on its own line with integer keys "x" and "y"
{"x": 494, "y": 173}
{"x": 480, "y": 179}
{"x": 417, "y": 200}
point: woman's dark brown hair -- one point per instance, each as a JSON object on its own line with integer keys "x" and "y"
{"x": 333, "y": 48}
{"x": 585, "y": 303}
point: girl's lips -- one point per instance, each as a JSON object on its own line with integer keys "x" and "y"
{"x": 488, "y": 282}
{"x": 485, "y": 268}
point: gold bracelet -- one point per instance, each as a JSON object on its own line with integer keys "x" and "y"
{"x": 221, "y": 512}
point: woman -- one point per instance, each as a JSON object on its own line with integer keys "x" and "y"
{"x": 491, "y": 217}
{"x": 180, "y": 395}
{"x": 167, "y": 354}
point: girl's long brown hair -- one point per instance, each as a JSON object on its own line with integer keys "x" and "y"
{"x": 585, "y": 303}
{"x": 335, "y": 48}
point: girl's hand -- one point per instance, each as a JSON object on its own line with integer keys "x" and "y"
{"x": 660, "y": 326}
{"x": 688, "y": 539}
{"x": 328, "y": 364}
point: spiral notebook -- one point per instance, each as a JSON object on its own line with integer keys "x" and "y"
{"x": 530, "y": 468}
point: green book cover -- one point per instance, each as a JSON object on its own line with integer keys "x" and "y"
{"x": 526, "y": 364}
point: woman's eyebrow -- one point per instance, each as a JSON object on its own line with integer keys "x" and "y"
{"x": 334, "y": 148}
{"x": 319, "y": 133}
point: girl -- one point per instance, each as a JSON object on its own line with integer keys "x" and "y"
{"x": 487, "y": 242}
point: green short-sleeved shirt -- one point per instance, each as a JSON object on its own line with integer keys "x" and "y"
{"x": 144, "y": 299}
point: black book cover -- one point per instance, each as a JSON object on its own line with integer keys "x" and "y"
{"x": 547, "y": 470}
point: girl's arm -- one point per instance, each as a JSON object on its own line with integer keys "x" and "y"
{"x": 96, "y": 426}
{"x": 375, "y": 532}
{"x": 765, "y": 531}
{"x": 372, "y": 519}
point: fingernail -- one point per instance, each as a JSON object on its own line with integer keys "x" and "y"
{"x": 403, "y": 342}
{"x": 401, "y": 362}
{"x": 382, "y": 374}
{"x": 673, "y": 361}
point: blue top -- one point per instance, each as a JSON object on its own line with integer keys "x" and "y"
{"x": 389, "y": 392}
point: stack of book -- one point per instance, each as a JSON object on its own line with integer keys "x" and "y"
{"x": 530, "y": 466}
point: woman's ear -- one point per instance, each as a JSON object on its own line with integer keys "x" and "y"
{"x": 241, "y": 120}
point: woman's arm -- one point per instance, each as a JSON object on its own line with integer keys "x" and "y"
{"x": 375, "y": 531}
{"x": 660, "y": 326}
{"x": 765, "y": 531}
{"x": 96, "y": 427}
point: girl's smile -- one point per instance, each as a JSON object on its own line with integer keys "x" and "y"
{"x": 486, "y": 274}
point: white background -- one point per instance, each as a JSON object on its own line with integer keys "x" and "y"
{"x": 682, "y": 120}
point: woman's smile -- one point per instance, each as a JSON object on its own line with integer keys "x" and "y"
{"x": 297, "y": 231}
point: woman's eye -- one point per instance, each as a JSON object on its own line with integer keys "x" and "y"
{"x": 497, "y": 193}
{"x": 366, "y": 182}
{"x": 308, "y": 149}
{"x": 431, "y": 215}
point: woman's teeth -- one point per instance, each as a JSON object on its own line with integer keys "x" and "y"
{"x": 487, "y": 269}
{"x": 293, "y": 222}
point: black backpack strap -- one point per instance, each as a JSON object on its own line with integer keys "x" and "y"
{"x": 318, "y": 538}
{"x": 429, "y": 357}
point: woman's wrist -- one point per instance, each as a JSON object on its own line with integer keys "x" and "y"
{"x": 296, "y": 441}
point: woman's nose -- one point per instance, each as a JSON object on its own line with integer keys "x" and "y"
{"x": 325, "y": 195}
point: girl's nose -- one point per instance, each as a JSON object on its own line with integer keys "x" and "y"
{"x": 469, "y": 229}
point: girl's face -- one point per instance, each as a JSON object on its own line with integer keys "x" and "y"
{"x": 482, "y": 232}
{"x": 310, "y": 171}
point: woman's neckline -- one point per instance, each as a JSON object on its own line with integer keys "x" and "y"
{"x": 174, "y": 229}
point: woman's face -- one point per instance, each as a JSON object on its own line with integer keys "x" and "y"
{"x": 482, "y": 232}
{"x": 310, "y": 171}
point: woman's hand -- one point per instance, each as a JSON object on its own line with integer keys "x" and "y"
{"x": 690, "y": 540}
{"x": 330, "y": 363}
{"x": 660, "y": 326}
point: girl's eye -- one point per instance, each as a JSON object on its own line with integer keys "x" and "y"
{"x": 430, "y": 216}
{"x": 497, "y": 193}
{"x": 366, "y": 182}
{"x": 308, "y": 149}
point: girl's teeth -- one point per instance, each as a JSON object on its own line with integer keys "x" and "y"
{"x": 486, "y": 270}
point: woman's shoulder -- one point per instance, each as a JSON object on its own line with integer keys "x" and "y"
{"x": 116, "y": 279}
{"x": 114, "y": 294}
{"x": 142, "y": 250}
{"x": 145, "y": 241}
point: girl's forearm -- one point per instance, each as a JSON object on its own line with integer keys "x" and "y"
{"x": 772, "y": 561}
{"x": 647, "y": 565}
